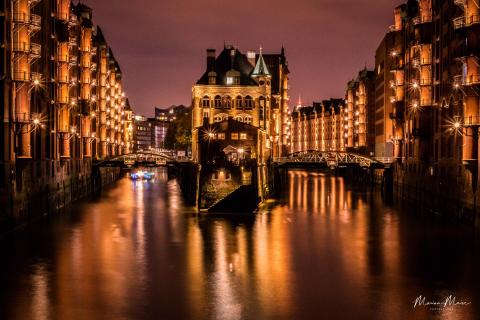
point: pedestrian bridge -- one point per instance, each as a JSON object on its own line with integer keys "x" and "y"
{"x": 333, "y": 159}
{"x": 138, "y": 159}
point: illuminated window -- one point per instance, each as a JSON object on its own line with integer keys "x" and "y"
{"x": 221, "y": 136}
{"x": 238, "y": 102}
{"x": 206, "y": 102}
{"x": 248, "y": 102}
{"x": 243, "y": 136}
{"x": 217, "y": 102}
{"x": 234, "y": 136}
{"x": 227, "y": 102}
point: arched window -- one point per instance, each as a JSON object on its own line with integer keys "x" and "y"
{"x": 248, "y": 102}
{"x": 220, "y": 117}
{"x": 227, "y": 102}
{"x": 245, "y": 118}
{"x": 206, "y": 102}
{"x": 238, "y": 102}
{"x": 217, "y": 103}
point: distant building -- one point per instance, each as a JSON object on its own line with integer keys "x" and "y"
{"x": 171, "y": 113}
{"x": 142, "y": 134}
{"x": 360, "y": 99}
{"x": 319, "y": 127}
{"x": 385, "y": 98}
{"x": 161, "y": 123}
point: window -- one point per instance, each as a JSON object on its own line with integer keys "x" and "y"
{"x": 234, "y": 136}
{"x": 217, "y": 102}
{"x": 227, "y": 102}
{"x": 206, "y": 102}
{"x": 206, "y": 114}
{"x": 221, "y": 136}
{"x": 220, "y": 117}
{"x": 245, "y": 118}
{"x": 230, "y": 81}
{"x": 248, "y": 102}
{"x": 238, "y": 102}
{"x": 243, "y": 136}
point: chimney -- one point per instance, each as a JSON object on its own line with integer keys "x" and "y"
{"x": 210, "y": 59}
{"x": 251, "y": 57}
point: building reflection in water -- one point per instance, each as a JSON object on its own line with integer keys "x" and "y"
{"x": 138, "y": 252}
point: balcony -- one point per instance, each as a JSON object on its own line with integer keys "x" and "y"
{"x": 64, "y": 79}
{"x": 469, "y": 80}
{"x": 35, "y": 51}
{"x": 422, "y": 19}
{"x": 21, "y": 76}
{"x": 426, "y": 81}
{"x": 21, "y": 46}
{"x": 460, "y": 3}
{"x": 463, "y": 22}
{"x": 35, "y": 22}
{"x": 93, "y": 66}
{"x": 62, "y": 57}
{"x": 93, "y": 51}
{"x": 21, "y": 17}
{"x": 62, "y": 100}
{"x": 471, "y": 121}
{"x": 425, "y": 102}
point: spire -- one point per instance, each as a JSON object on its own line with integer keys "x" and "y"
{"x": 261, "y": 67}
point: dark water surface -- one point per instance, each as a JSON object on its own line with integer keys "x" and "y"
{"x": 326, "y": 251}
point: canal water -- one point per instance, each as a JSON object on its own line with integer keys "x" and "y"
{"x": 326, "y": 250}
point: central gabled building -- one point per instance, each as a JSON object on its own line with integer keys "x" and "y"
{"x": 250, "y": 88}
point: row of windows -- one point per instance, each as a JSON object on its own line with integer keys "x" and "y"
{"x": 227, "y": 102}
{"x": 234, "y": 136}
{"x": 245, "y": 118}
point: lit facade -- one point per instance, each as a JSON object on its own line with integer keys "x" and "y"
{"x": 432, "y": 51}
{"x": 62, "y": 97}
{"x": 252, "y": 89}
{"x": 360, "y": 117}
{"x": 322, "y": 127}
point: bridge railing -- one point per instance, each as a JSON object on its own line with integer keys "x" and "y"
{"x": 332, "y": 158}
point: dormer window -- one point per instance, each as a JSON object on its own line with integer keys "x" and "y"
{"x": 212, "y": 78}
{"x": 233, "y": 77}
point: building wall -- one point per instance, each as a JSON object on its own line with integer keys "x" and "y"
{"x": 318, "y": 129}
{"x": 360, "y": 99}
{"x": 55, "y": 80}
{"x": 213, "y": 112}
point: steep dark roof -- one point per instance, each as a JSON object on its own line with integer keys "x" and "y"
{"x": 99, "y": 37}
{"x": 223, "y": 63}
{"x": 329, "y": 106}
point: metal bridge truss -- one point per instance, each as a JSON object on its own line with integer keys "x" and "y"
{"x": 330, "y": 158}
{"x": 139, "y": 158}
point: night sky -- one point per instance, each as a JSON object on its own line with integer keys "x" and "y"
{"x": 161, "y": 44}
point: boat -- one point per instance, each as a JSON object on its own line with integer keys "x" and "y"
{"x": 142, "y": 175}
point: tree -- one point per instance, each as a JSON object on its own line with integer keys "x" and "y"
{"x": 179, "y": 132}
